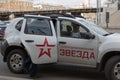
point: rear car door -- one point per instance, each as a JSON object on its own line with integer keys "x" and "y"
{"x": 39, "y": 39}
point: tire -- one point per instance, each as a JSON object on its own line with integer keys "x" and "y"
{"x": 112, "y": 68}
{"x": 15, "y": 61}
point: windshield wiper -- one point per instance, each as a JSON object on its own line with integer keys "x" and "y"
{"x": 107, "y": 34}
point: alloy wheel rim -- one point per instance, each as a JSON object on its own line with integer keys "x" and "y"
{"x": 16, "y": 61}
{"x": 117, "y": 71}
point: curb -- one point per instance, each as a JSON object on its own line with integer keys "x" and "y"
{"x": 12, "y": 78}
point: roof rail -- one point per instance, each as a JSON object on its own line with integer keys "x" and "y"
{"x": 55, "y": 15}
{"x": 80, "y": 16}
{"x": 68, "y": 15}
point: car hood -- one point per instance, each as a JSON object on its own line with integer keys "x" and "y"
{"x": 113, "y": 37}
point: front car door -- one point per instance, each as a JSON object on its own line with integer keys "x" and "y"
{"x": 74, "y": 47}
{"x": 39, "y": 39}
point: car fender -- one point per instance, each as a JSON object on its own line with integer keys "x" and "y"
{"x": 14, "y": 40}
{"x": 106, "y": 48}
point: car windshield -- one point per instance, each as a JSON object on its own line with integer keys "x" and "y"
{"x": 94, "y": 27}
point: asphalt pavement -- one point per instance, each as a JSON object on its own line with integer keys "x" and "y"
{"x": 49, "y": 72}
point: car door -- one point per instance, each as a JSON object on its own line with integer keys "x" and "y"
{"x": 39, "y": 39}
{"x": 74, "y": 47}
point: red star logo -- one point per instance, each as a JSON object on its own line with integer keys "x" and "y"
{"x": 45, "y": 45}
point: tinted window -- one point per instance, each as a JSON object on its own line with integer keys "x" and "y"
{"x": 19, "y": 25}
{"x": 38, "y": 26}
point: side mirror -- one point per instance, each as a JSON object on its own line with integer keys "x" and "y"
{"x": 87, "y": 36}
{"x": 92, "y": 36}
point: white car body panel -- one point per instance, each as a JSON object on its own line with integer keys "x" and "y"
{"x": 10, "y": 31}
{"x": 109, "y": 44}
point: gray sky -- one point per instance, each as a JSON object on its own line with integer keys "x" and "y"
{"x": 68, "y": 3}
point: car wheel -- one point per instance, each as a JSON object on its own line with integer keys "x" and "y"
{"x": 112, "y": 68}
{"x": 15, "y": 61}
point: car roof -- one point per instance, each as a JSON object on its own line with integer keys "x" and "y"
{"x": 37, "y": 16}
{"x": 54, "y": 15}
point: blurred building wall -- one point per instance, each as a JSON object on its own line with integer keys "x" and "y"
{"x": 15, "y": 5}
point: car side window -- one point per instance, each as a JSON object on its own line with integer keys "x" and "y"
{"x": 38, "y": 26}
{"x": 19, "y": 25}
{"x": 71, "y": 29}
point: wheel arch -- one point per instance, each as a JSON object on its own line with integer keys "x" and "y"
{"x": 12, "y": 47}
{"x": 105, "y": 58}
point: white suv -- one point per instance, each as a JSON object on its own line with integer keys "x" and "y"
{"x": 50, "y": 40}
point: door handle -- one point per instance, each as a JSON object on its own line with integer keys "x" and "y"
{"x": 62, "y": 42}
{"x": 29, "y": 41}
